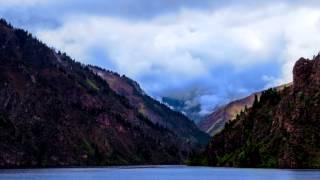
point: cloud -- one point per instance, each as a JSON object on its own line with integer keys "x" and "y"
{"x": 207, "y": 53}
{"x": 19, "y": 2}
{"x": 177, "y": 52}
{"x": 32, "y": 14}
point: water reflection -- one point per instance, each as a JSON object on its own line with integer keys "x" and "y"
{"x": 160, "y": 173}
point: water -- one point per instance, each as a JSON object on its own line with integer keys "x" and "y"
{"x": 159, "y": 173}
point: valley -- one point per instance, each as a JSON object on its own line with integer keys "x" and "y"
{"x": 57, "y": 112}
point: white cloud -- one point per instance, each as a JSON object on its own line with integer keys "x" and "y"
{"x": 184, "y": 46}
{"x": 209, "y": 102}
{"x": 11, "y": 3}
{"x": 174, "y": 50}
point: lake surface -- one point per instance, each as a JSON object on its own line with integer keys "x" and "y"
{"x": 159, "y": 173}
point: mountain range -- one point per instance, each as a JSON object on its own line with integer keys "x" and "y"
{"x": 55, "y": 111}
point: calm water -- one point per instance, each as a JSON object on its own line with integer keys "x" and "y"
{"x": 160, "y": 173}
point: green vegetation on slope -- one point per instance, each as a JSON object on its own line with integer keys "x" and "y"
{"x": 281, "y": 129}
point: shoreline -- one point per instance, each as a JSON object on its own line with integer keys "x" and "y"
{"x": 146, "y": 167}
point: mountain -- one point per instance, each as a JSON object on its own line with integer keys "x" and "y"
{"x": 191, "y": 110}
{"x": 215, "y": 122}
{"x": 57, "y": 112}
{"x": 157, "y": 112}
{"x": 280, "y": 130}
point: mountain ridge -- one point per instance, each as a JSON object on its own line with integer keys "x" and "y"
{"x": 55, "y": 112}
{"x": 152, "y": 109}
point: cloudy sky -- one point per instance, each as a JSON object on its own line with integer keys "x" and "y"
{"x": 205, "y": 51}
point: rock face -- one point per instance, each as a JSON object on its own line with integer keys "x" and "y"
{"x": 302, "y": 72}
{"x": 57, "y": 112}
{"x": 306, "y": 73}
{"x": 281, "y": 130}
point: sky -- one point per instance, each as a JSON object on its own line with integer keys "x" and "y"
{"x": 207, "y": 52}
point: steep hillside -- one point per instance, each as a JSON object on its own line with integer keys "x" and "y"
{"x": 214, "y": 122}
{"x": 158, "y": 113}
{"x": 57, "y": 112}
{"x": 281, "y": 130}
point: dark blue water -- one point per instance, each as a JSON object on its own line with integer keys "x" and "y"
{"x": 160, "y": 173}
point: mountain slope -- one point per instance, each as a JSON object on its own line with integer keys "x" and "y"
{"x": 57, "y": 112}
{"x": 155, "y": 111}
{"x": 214, "y": 122}
{"x": 281, "y": 130}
